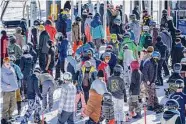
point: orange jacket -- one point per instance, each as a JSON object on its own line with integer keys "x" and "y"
{"x": 51, "y": 31}
{"x": 75, "y": 45}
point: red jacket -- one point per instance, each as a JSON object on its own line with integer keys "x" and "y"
{"x": 4, "y": 45}
{"x": 105, "y": 68}
{"x": 51, "y": 31}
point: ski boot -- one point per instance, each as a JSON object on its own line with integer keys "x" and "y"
{"x": 159, "y": 109}
{"x": 138, "y": 115}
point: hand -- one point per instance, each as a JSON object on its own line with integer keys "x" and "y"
{"x": 148, "y": 82}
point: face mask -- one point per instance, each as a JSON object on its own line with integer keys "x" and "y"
{"x": 156, "y": 60}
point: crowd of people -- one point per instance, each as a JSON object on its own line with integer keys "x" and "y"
{"x": 98, "y": 84}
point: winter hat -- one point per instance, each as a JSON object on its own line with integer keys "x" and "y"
{"x": 106, "y": 54}
{"x": 109, "y": 48}
{"x": 150, "y": 49}
{"x": 100, "y": 73}
{"x": 18, "y": 30}
{"x": 37, "y": 69}
{"x": 90, "y": 15}
{"x": 178, "y": 40}
{"x": 134, "y": 65}
{"x": 177, "y": 68}
{"x": 158, "y": 38}
{"x": 178, "y": 32}
{"x": 132, "y": 17}
{"x": 6, "y": 59}
{"x": 88, "y": 64}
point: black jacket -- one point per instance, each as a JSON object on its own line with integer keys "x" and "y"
{"x": 162, "y": 48}
{"x": 135, "y": 82}
{"x": 33, "y": 87}
{"x": 43, "y": 39}
{"x": 177, "y": 53}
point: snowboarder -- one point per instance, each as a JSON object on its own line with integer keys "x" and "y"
{"x": 67, "y": 101}
{"x": 116, "y": 86}
{"x": 34, "y": 97}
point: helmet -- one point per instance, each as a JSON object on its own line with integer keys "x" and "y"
{"x": 70, "y": 52}
{"x": 177, "y": 67}
{"x": 184, "y": 50}
{"x": 67, "y": 76}
{"x": 106, "y": 54}
{"x": 132, "y": 16}
{"x": 109, "y": 48}
{"x": 78, "y": 19}
{"x": 126, "y": 35}
{"x": 84, "y": 12}
{"x": 172, "y": 104}
{"x": 90, "y": 52}
{"x": 164, "y": 11}
{"x": 179, "y": 83}
{"x": 88, "y": 64}
{"x": 183, "y": 60}
{"x": 12, "y": 58}
{"x": 12, "y": 39}
{"x": 134, "y": 65}
{"x": 37, "y": 69}
{"x": 25, "y": 48}
{"x": 113, "y": 36}
{"x": 145, "y": 28}
{"x": 30, "y": 44}
{"x": 156, "y": 54}
{"x": 58, "y": 36}
{"x": 118, "y": 70}
{"x": 36, "y": 22}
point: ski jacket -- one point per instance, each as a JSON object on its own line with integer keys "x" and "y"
{"x": 177, "y": 53}
{"x": 71, "y": 66}
{"x": 17, "y": 70}
{"x": 69, "y": 25}
{"x": 106, "y": 70}
{"x": 16, "y": 49}
{"x": 33, "y": 87}
{"x": 62, "y": 49}
{"x": 96, "y": 29}
{"x": 61, "y": 25}
{"x": 136, "y": 78}
{"x": 4, "y": 46}
{"x": 87, "y": 27}
{"x": 166, "y": 39}
{"x": 76, "y": 32}
{"x": 26, "y": 65}
{"x": 149, "y": 71}
{"x": 142, "y": 42}
{"x": 43, "y": 39}
{"x": 45, "y": 77}
{"x": 51, "y": 31}
{"x": 116, "y": 86}
{"x": 135, "y": 26}
{"x": 20, "y": 40}
{"x": 8, "y": 79}
{"x": 162, "y": 48}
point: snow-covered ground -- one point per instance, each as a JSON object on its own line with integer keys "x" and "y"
{"x": 51, "y": 117}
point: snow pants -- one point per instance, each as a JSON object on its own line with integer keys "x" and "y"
{"x": 9, "y": 103}
{"x": 48, "y": 89}
{"x": 42, "y": 61}
{"x": 134, "y": 104}
{"x": 66, "y": 117}
{"x": 152, "y": 96}
{"x": 33, "y": 105}
{"x": 97, "y": 43}
{"x": 118, "y": 109}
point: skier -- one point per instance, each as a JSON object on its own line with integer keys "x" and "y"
{"x": 87, "y": 27}
{"x": 146, "y": 38}
{"x": 26, "y": 65}
{"x": 149, "y": 72}
{"x": 15, "y": 48}
{"x": 50, "y": 30}
{"x": 34, "y": 96}
{"x": 171, "y": 113}
{"x": 162, "y": 48}
{"x": 104, "y": 66}
{"x": 135, "y": 26}
{"x": 113, "y": 59}
{"x": 8, "y": 88}
{"x": 33, "y": 53}
{"x": 48, "y": 87}
{"x": 116, "y": 87}
{"x": 115, "y": 44}
{"x": 4, "y": 45}
{"x": 146, "y": 18}
{"x": 134, "y": 90}
{"x": 180, "y": 97}
{"x": 93, "y": 108}
{"x": 67, "y": 100}
{"x": 69, "y": 28}
{"x": 19, "y": 37}
{"x": 61, "y": 24}
{"x": 177, "y": 54}
{"x": 19, "y": 75}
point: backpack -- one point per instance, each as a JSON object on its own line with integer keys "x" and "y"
{"x": 148, "y": 41}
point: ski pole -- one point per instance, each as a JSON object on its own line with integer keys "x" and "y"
{"x": 145, "y": 113}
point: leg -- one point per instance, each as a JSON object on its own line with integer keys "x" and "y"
{"x": 45, "y": 88}
{"x": 71, "y": 118}
{"x": 77, "y": 100}
{"x": 12, "y": 103}
{"x": 50, "y": 96}
{"x": 37, "y": 110}
{"x": 86, "y": 96}
{"x": 18, "y": 98}
{"x": 57, "y": 70}
{"x": 165, "y": 67}
{"x": 121, "y": 109}
{"x": 29, "y": 111}
{"x": 62, "y": 66}
{"x": 160, "y": 79}
{"x": 63, "y": 117}
{"x": 6, "y": 102}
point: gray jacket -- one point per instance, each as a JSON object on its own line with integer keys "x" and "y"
{"x": 99, "y": 86}
{"x": 8, "y": 79}
{"x": 45, "y": 77}
{"x": 166, "y": 39}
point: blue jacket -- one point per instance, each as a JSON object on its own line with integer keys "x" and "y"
{"x": 96, "y": 28}
{"x": 62, "y": 49}
{"x": 61, "y": 25}
{"x": 71, "y": 66}
{"x": 83, "y": 48}
{"x": 8, "y": 79}
{"x": 33, "y": 87}
{"x": 69, "y": 25}
{"x": 18, "y": 72}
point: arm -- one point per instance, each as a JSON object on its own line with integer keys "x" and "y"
{"x": 36, "y": 87}
{"x": 145, "y": 72}
{"x": 62, "y": 99}
{"x": 124, "y": 90}
{"x": 19, "y": 73}
{"x": 48, "y": 62}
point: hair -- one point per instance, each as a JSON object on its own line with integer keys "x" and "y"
{"x": 3, "y": 32}
{"x": 18, "y": 30}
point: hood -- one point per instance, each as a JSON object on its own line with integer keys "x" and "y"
{"x": 169, "y": 114}
{"x": 96, "y": 21}
{"x": 179, "y": 45}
